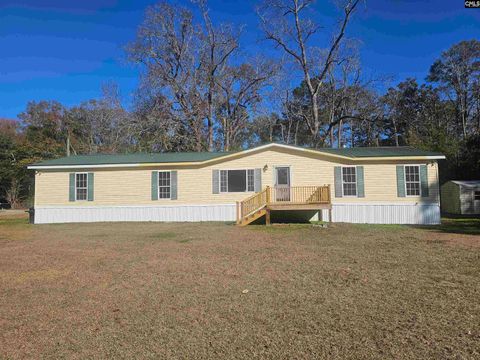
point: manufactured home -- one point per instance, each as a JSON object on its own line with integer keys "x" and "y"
{"x": 386, "y": 185}
{"x": 461, "y": 197}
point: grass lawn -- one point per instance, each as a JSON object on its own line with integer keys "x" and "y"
{"x": 217, "y": 291}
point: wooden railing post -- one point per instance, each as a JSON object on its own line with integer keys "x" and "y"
{"x": 238, "y": 212}
{"x": 267, "y": 197}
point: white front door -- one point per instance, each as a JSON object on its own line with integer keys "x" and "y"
{"x": 282, "y": 183}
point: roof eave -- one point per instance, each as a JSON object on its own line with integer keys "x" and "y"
{"x": 399, "y": 158}
{"x": 96, "y": 166}
{"x": 140, "y": 165}
{"x": 237, "y": 154}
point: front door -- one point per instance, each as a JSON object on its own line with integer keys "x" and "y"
{"x": 282, "y": 184}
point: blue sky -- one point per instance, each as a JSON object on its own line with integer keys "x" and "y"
{"x": 65, "y": 50}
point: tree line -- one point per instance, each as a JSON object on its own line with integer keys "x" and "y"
{"x": 200, "y": 90}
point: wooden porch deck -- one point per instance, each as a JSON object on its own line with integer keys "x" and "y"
{"x": 283, "y": 198}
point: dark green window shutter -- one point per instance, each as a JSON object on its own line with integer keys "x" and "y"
{"x": 400, "y": 181}
{"x": 424, "y": 180}
{"x": 71, "y": 192}
{"x": 215, "y": 181}
{"x": 360, "y": 182}
{"x": 258, "y": 180}
{"x": 173, "y": 185}
{"x": 154, "y": 185}
{"x": 90, "y": 184}
{"x": 338, "y": 181}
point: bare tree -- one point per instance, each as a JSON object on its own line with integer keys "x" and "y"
{"x": 189, "y": 61}
{"x": 240, "y": 89}
{"x": 168, "y": 47}
{"x": 154, "y": 126}
{"x": 101, "y": 124}
{"x": 12, "y": 194}
{"x": 287, "y": 25}
{"x": 218, "y": 45}
{"x": 284, "y": 128}
{"x": 457, "y": 73}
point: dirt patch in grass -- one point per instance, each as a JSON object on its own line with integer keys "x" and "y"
{"x": 148, "y": 290}
{"x": 31, "y": 276}
{"x": 453, "y": 239}
{"x": 455, "y": 231}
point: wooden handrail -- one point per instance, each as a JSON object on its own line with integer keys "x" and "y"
{"x": 254, "y": 195}
{"x": 300, "y": 195}
{"x": 253, "y": 203}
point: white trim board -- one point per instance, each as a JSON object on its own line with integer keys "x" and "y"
{"x": 125, "y": 206}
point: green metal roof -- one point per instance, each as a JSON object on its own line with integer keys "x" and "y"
{"x": 136, "y": 158}
{"x": 144, "y": 158}
{"x": 382, "y": 151}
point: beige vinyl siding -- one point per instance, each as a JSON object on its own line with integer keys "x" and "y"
{"x": 133, "y": 186}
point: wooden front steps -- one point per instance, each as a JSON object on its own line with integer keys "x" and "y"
{"x": 291, "y": 198}
{"x": 252, "y": 217}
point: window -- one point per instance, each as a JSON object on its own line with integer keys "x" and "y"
{"x": 349, "y": 180}
{"x": 164, "y": 184}
{"x": 412, "y": 180}
{"x": 224, "y": 181}
{"x": 250, "y": 180}
{"x": 237, "y": 180}
{"x": 81, "y": 186}
{"x": 283, "y": 175}
{"x": 476, "y": 195}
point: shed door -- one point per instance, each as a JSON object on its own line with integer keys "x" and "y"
{"x": 476, "y": 201}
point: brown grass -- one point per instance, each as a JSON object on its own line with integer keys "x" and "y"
{"x": 152, "y": 290}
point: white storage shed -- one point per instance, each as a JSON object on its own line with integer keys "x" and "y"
{"x": 461, "y": 197}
